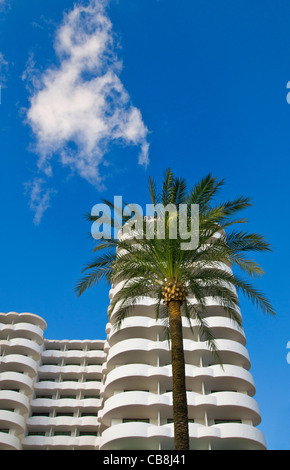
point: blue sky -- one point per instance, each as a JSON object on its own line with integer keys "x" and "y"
{"x": 95, "y": 97}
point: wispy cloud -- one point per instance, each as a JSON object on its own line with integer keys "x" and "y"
{"x": 4, "y": 4}
{"x": 40, "y": 198}
{"x": 3, "y": 69}
{"x": 3, "y": 62}
{"x": 79, "y": 107}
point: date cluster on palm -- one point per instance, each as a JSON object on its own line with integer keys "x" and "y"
{"x": 173, "y": 290}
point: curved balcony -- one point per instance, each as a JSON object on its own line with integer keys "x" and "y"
{"x": 139, "y": 376}
{"x": 215, "y": 377}
{"x": 134, "y": 436}
{"x": 22, "y": 330}
{"x": 149, "y": 328}
{"x": 74, "y": 345}
{"x": 145, "y": 436}
{"x": 96, "y": 355}
{"x": 231, "y": 352}
{"x": 224, "y": 406}
{"x": 12, "y": 399}
{"x": 76, "y": 370}
{"x": 136, "y": 350}
{"x": 67, "y": 386}
{"x": 69, "y": 404}
{"x": 26, "y": 317}
{"x": 136, "y": 327}
{"x": 221, "y": 328}
{"x": 89, "y": 423}
{"x": 139, "y": 350}
{"x": 21, "y": 346}
{"x": 218, "y": 265}
{"x": 19, "y": 363}
{"x": 145, "y": 405}
{"x": 60, "y": 442}
{"x": 234, "y": 436}
{"x": 9, "y": 442}
{"x": 10, "y": 380}
{"x": 130, "y": 404}
{"x": 12, "y": 420}
{"x": 146, "y": 305}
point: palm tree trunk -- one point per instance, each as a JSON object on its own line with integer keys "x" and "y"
{"x": 180, "y": 415}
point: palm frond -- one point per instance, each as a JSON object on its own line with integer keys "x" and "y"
{"x": 167, "y": 189}
{"x": 154, "y": 196}
{"x": 205, "y": 190}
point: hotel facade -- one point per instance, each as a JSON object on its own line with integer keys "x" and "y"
{"x": 116, "y": 394}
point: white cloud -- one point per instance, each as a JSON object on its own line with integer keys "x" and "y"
{"x": 80, "y": 107}
{"x": 40, "y": 198}
{"x": 3, "y": 61}
{"x": 3, "y": 69}
{"x": 4, "y": 4}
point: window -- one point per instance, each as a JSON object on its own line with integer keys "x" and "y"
{"x": 53, "y": 348}
{"x": 44, "y": 396}
{"x": 72, "y": 397}
{"x": 221, "y": 421}
{"x": 169, "y": 421}
{"x": 132, "y": 420}
{"x": 47, "y": 379}
{"x": 50, "y": 362}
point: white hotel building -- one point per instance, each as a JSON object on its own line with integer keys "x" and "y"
{"x": 116, "y": 394}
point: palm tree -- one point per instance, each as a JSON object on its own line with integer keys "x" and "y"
{"x": 180, "y": 279}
